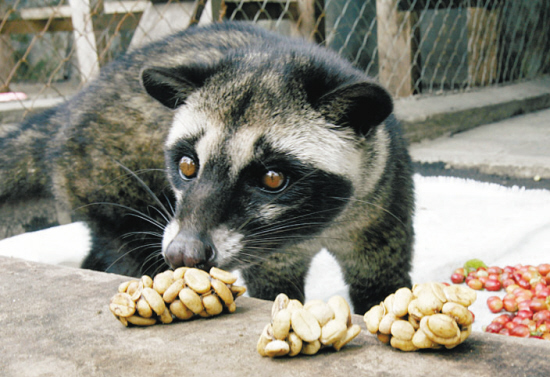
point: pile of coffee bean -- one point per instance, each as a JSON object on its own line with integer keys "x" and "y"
{"x": 431, "y": 315}
{"x": 180, "y": 294}
{"x": 305, "y": 329}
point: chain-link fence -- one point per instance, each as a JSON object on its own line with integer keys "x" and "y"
{"x": 50, "y": 48}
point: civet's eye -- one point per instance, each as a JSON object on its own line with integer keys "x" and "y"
{"x": 274, "y": 181}
{"x": 188, "y": 168}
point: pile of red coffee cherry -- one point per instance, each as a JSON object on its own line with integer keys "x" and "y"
{"x": 527, "y": 298}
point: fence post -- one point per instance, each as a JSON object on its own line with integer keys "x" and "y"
{"x": 483, "y": 36}
{"x": 84, "y": 38}
{"x": 163, "y": 17}
{"x": 311, "y": 21}
{"x": 6, "y": 63}
{"x": 306, "y": 20}
{"x": 398, "y": 55}
{"x": 6, "y": 54}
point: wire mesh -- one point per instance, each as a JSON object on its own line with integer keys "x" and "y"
{"x": 50, "y": 48}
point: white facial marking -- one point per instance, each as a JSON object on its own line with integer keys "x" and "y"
{"x": 187, "y": 123}
{"x": 227, "y": 243}
{"x": 170, "y": 232}
{"x": 210, "y": 144}
{"x": 190, "y": 123}
{"x": 269, "y": 212}
{"x": 319, "y": 146}
{"x": 378, "y": 166}
{"x": 241, "y": 148}
{"x": 313, "y": 143}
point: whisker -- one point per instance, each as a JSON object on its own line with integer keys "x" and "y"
{"x": 135, "y": 212}
{"x": 374, "y": 205}
{"x": 267, "y": 241}
{"x": 160, "y": 267}
{"x": 151, "y": 235}
{"x": 285, "y": 228}
{"x": 153, "y": 259}
{"x": 145, "y": 187}
{"x": 306, "y": 215}
{"x": 295, "y": 218}
{"x": 146, "y": 233}
{"x": 172, "y": 209}
{"x": 123, "y": 255}
{"x": 161, "y": 214}
{"x": 148, "y": 219}
{"x": 274, "y": 228}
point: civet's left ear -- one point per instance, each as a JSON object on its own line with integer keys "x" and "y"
{"x": 360, "y": 105}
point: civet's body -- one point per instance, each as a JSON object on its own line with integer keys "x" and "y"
{"x": 262, "y": 149}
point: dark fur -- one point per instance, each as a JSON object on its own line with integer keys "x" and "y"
{"x": 91, "y": 153}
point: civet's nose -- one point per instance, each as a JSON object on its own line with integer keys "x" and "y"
{"x": 189, "y": 250}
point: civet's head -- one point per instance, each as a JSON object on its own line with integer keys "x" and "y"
{"x": 265, "y": 150}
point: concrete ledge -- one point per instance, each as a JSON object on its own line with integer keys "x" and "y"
{"x": 431, "y": 117}
{"x": 56, "y": 322}
{"x": 13, "y": 112}
{"x": 514, "y": 147}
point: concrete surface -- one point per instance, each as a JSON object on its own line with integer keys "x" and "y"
{"x": 431, "y": 117}
{"x": 14, "y": 112}
{"x": 55, "y": 321}
{"x": 518, "y": 146}
{"x": 40, "y": 97}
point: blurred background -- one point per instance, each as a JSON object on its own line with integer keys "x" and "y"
{"x": 51, "y": 48}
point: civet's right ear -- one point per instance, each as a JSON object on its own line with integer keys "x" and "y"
{"x": 172, "y": 86}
